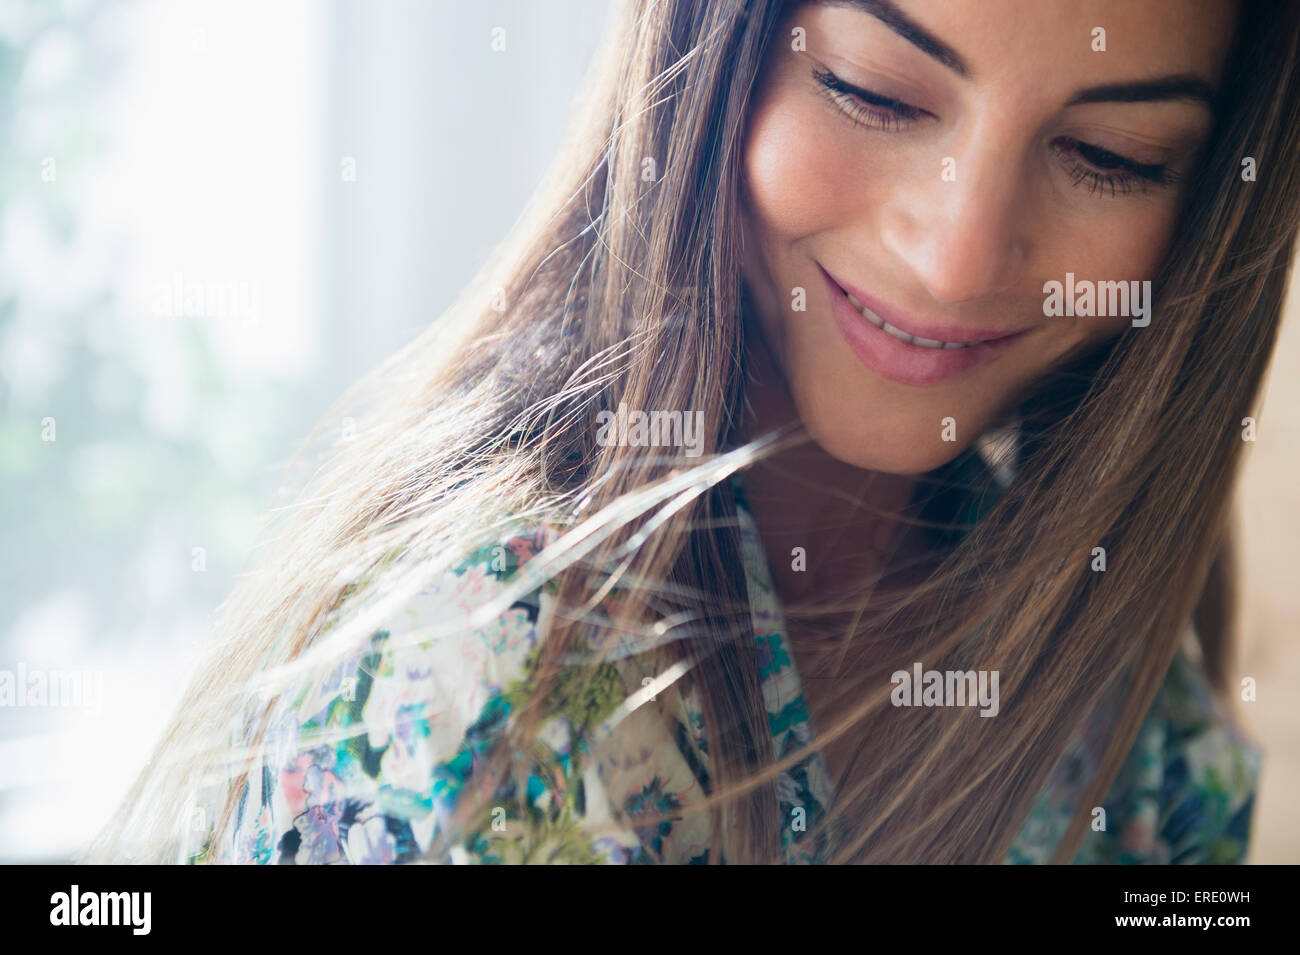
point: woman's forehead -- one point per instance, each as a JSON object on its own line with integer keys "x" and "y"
{"x": 1059, "y": 42}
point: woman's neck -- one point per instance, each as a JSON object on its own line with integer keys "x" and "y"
{"x": 845, "y": 521}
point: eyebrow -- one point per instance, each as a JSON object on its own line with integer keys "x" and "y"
{"x": 1161, "y": 88}
{"x": 908, "y": 29}
{"x": 1173, "y": 87}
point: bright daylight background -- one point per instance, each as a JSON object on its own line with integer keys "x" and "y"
{"x": 148, "y": 146}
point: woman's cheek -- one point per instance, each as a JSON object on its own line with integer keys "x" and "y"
{"x": 794, "y": 174}
{"x": 1126, "y": 246}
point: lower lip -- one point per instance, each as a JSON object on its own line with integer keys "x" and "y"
{"x": 899, "y": 361}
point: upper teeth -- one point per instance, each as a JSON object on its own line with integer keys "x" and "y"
{"x": 901, "y": 335}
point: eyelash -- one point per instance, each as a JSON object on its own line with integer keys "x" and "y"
{"x": 1103, "y": 169}
{"x": 1100, "y": 168}
{"x": 864, "y": 107}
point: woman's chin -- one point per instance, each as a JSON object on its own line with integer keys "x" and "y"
{"x": 879, "y": 430}
{"x": 896, "y": 450}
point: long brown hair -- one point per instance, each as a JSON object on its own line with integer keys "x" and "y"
{"x": 622, "y": 287}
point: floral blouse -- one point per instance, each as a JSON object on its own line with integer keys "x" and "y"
{"x": 1184, "y": 795}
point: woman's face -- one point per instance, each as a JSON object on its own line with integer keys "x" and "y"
{"x": 942, "y": 161}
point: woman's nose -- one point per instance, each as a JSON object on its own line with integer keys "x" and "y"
{"x": 963, "y": 232}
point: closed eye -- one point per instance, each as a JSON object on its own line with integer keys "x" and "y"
{"x": 864, "y": 107}
{"x": 1101, "y": 170}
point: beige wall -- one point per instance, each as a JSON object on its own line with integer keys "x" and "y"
{"x": 1270, "y": 592}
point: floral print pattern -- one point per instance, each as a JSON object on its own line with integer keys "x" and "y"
{"x": 434, "y": 705}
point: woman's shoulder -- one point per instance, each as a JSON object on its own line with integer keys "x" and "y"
{"x": 1186, "y": 791}
{"x": 1184, "y": 795}
{"x": 366, "y": 759}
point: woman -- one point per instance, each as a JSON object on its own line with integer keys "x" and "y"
{"x": 800, "y": 483}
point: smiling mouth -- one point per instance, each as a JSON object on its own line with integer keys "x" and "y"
{"x": 903, "y": 336}
{"x": 904, "y": 356}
